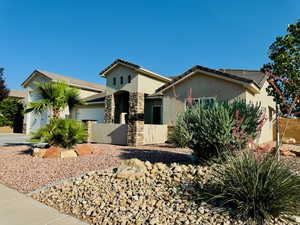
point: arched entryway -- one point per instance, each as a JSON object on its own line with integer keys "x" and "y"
{"x": 121, "y": 106}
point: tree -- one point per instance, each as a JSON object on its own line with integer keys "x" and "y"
{"x": 3, "y": 89}
{"x": 284, "y": 54}
{"x": 11, "y": 114}
{"x": 54, "y": 96}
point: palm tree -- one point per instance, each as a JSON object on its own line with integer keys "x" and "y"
{"x": 54, "y": 96}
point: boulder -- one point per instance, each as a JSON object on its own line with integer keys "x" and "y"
{"x": 131, "y": 169}
{"x": 52, "y": 152}
{"x": 68, "y": 154}
{"x": 38, "y": 152}
{"x": 96, "y": 151}
{"x": 84, "y": 149}
{"x": 288, "y": 140}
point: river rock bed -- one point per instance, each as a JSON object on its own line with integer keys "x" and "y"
{"x": 165, "y": 194}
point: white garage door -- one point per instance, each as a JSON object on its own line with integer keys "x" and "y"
{"x": 95, "y": 113}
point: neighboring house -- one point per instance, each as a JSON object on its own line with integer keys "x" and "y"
{"x": 18, "y": 94}
{"x": 137, "y": 96}
{"x": 87, "y": 89}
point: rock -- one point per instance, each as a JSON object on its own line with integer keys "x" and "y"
{"x": 68, "y": 154}
{"x": 38, "y": 152}
{"x": 296, "y": 219}
{"x": 84, "y": 149}
{"x": 95, "y": 151}
{"x": 132, "y": 168}
{"x": 288, "y": 140}
{"x": 52, "y": 152}
{"x": 285, "y": 152}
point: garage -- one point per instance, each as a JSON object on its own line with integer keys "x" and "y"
{"x": 92, "y": 113}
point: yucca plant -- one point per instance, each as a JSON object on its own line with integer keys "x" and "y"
{"x": 62, "y": 132}
{"x": 259, "y": 187}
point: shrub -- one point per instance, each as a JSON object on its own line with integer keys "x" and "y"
{"x": 251, "y": 116}
{"x": 208, "y": 129}
{"x": 62, "y": 132}
{"x": 205, "y": 129}
{"x": 259, "y": 188}
{"x": 12, "y": 114}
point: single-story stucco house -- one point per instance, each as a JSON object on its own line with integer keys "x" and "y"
{"x": 136, "y": 96}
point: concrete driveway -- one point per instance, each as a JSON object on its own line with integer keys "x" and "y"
{"x": 13, "y": 139}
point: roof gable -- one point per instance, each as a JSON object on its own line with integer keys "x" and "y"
{"x": 69, "y": 80}
{"x": 243, "y": 80}
{"x": 120, "y": 62}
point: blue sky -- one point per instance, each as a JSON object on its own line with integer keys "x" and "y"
{"x": 80, "y": 38}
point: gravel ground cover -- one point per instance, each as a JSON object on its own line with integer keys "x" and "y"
{"x": 167, "y": 194}
{"x": 21, "y": 171}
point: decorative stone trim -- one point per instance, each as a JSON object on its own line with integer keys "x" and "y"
{"x": 109, "y": 109}
{"x": 135, "y": 136}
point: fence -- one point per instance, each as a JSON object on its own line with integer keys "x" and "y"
{"x": 6, "y": 130}
{"x": 290, "y": 127}
{"x": 109, "y": 133}
{"x": 155, "y": 134}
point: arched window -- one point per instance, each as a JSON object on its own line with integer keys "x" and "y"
{"x": 114, "y": 81}
{"x": 121, "y": 80}
{"x": 129, "y": 79}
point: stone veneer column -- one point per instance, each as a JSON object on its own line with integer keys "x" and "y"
{"x": 109, "y": 109}
{"x": 135, "y": 135}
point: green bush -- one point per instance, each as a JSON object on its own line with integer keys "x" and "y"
{"x": 251, "y": 115}
{"x": 62, "y": 132}
{"x": 260, "y": 188}
{"x": 208, "y": 129}
{"x": 12, "y": 114}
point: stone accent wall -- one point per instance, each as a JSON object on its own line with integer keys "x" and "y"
{"x": 135, "y": 135}
{"x": 109, "y": 109}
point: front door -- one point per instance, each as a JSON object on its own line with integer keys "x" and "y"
{"x": 156, "y": 114}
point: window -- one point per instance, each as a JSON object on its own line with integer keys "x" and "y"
{"x": 121, "y": 80}
{"x": 129, "y": 79}
{"x": 193, "y": 101}
{"x": 114, "y": 81}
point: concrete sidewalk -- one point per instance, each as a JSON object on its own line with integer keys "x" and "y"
{"x": 19, "y": 209}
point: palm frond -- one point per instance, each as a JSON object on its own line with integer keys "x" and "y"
{"x": 38, "y": 106}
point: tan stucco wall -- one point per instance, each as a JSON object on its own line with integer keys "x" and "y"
{"x": 139, "y": 82}
{"x": 202, "y": 86}
{"x": 269, "y": 106}
{"x": 117, "y": 72}
{"x": 148, "y": 84}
